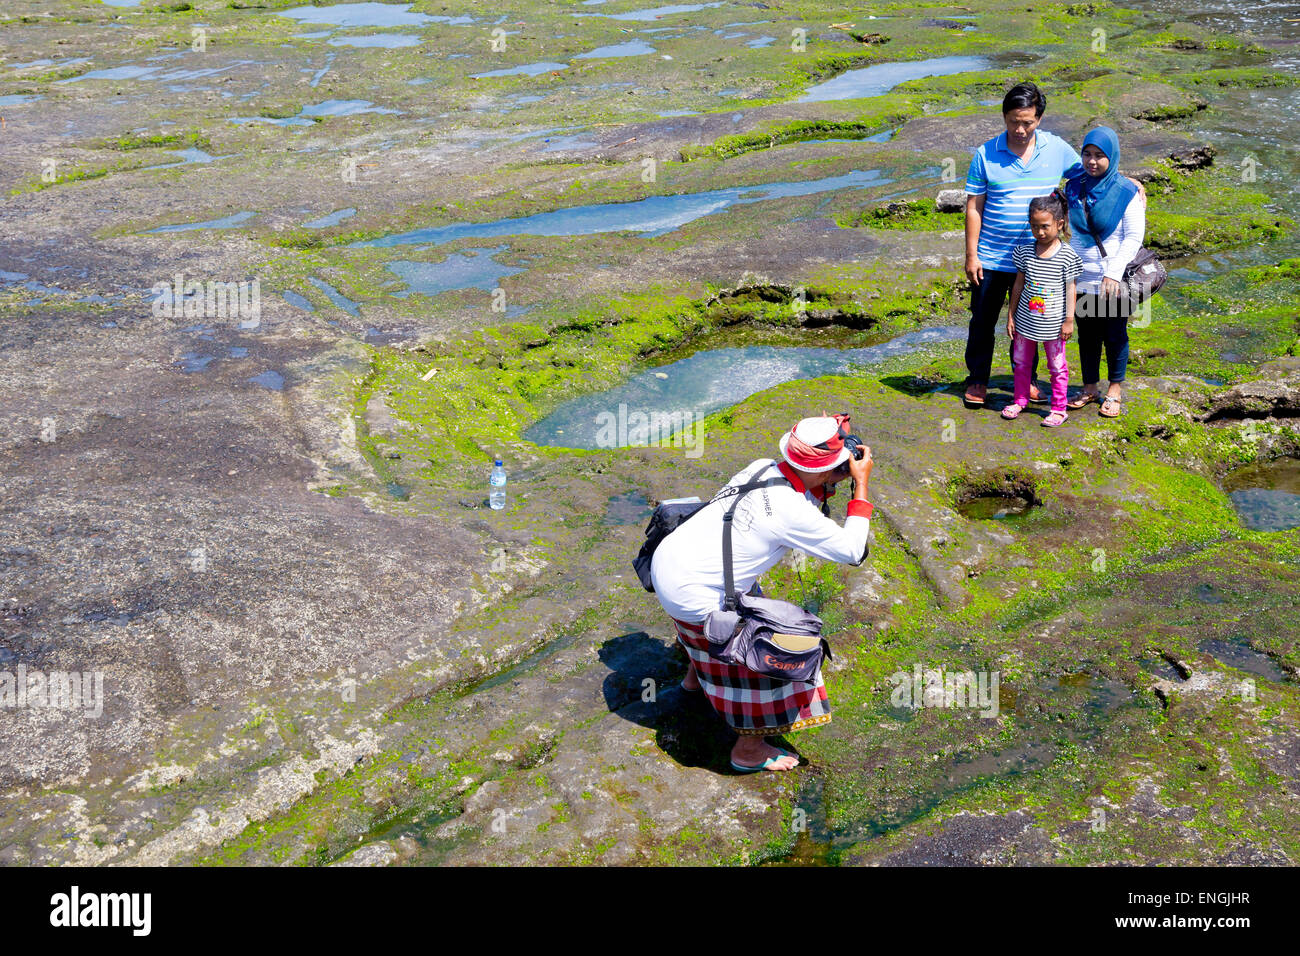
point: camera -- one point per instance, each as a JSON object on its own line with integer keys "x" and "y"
{"x": 854, "y": 444}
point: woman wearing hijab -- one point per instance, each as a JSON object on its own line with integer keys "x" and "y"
{"x": 1103, "y": 207}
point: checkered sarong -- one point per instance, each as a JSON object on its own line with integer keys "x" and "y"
{"x": 748, "y": 702}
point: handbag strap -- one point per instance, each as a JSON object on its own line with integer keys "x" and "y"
{"x": 728, "y": 578}
{"x": 1093, "y": 230}
{"x": 1095, "y": 237}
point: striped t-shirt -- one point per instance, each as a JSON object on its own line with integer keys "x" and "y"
{"x": 1042, "y": 300}
{"x": 1008, "y": 183}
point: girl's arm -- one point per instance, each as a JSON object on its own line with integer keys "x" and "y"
{"x": 1067, "y": 327}
{"x": 1015, "y": 304}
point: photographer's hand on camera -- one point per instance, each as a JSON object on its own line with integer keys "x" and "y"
{"x": 860, "y": 471}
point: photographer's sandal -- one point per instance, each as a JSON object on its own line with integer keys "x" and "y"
{"x": 1110, "y": 403}
{"x": 742, "y": 768}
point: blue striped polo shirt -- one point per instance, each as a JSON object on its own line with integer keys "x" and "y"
{"x": 1008, "y": 183}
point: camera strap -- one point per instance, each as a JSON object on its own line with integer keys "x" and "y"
{"x": 728, "y": 575}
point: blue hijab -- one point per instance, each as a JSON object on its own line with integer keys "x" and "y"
{"x": 1105, "y": 197}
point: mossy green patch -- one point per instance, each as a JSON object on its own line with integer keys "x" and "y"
{"x": 920, "y": 214}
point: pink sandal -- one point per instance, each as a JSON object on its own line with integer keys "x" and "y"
{"x": 1012, "y": 411}
{"x": 1054, "y": 419}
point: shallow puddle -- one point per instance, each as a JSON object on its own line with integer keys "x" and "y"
{"x": 994, "y": 507}
{"x": 320, "y": 74}
{"x": 362, "y": 15}
{"x": 630, "y": 48}
{"x": 630, "y": 508}
{"x": 660, "y": 402}
{"x": 1266, "y": 495}
{"x": 1160, "y": 668}
{"x": 193, "y": 362}
{"x": 335, "y": 296}
{"x": 527, "y": 69}
{"x": 226, "y": 222}
{"x": 814, "y": 843}
{"x": 387, "y": 41}
{"x": 333, "y": 219}
{"x": 1237, "y": 652}
{"x": 653, "y": 13}
{"x": 469, "y": 269}
{"x": 61, "y": 62}
{"x": 188, "y": 157}
{"x": 883, "y": 77}
{"x": 307, "y": 115}
{"x": 883, "y": 137}
{"x": 557, "y": 143}
{"x": 298, "y": 301}
{"x": 653, "y": 216}
{"x": 156, "y": 73}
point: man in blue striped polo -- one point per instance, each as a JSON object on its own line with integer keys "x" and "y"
{"x": 1005, "y": 174}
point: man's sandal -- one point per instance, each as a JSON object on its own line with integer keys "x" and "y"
{"x": 1087, "y": 398}
{"x": 1112, "y": 403}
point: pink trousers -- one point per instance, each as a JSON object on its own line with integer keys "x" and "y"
{"x": 1022, "y": 354}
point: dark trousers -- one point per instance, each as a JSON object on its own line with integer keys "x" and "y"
{"x": 986, "y": 303}
{"x": 1101, "y": 322}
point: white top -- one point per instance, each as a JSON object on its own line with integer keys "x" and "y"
{"x": 687, "y": 566}
{"x": 1123, "y": 245}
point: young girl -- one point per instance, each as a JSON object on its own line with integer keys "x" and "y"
{"x": 1042, "y": 304}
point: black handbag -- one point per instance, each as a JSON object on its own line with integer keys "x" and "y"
{"x": 663, "y": 522}
{"x": 1143, "y": 277}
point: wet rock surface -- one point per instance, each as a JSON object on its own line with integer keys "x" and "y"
{"x": 1277, "y": 395}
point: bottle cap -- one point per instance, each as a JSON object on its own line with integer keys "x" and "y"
{"x": 498, "y": 461}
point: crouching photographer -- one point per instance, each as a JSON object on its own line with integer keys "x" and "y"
{"x": 757, "y": 661}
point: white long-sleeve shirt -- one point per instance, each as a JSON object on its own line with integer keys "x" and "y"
{"x": 1122, "y": 244}
{"x": 687, "y": 566}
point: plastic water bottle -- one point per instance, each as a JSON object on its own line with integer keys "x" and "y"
{"x": 497, "y": 492}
